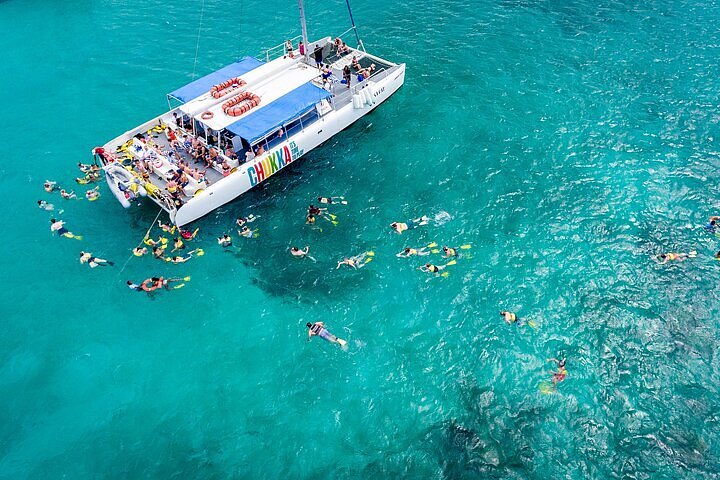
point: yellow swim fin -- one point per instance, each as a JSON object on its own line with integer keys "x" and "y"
{"x": 466, "y": 247}
{"x": 451, "y": 262}
{"x": 435, "y": 250}
{"x": 77, "y": 237}
{"x": 200, "y": 252}
{"x": 341, "y": 342}
{"x": 546, "y": 388}
{"x": 445, "y": 274}
{"x": 332, "y": 216}
{"x": 334, "y": 222}
{"x": 187, "y": 279}
{"x": 432, "y": 245}
{"x": 370, "y": 253}
{"x": 532, "y": 324}
{"x": 178, "y": 286}
{"x": 163, "y": 240}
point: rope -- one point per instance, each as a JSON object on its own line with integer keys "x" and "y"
{"x": 141, "y": 241}
{"x": 197, "y": 45}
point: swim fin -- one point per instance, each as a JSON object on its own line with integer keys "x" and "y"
{"x": 76, "y": 237}
{"x": 432, "y": 245}
{"x": 692, "y": 254}
{"x": 546, "y": 388}
{"x": 332, "y": 216}
{"x": 370, "y": 253}
{"x": 466, "y": 247}
{"x": 451, "y": 262}
{"x": 178, "y": 286}
{"x": 163, "y": 240}
{"x": 200, "y": 252}
{"x": 110, "y": 263}
{"x": 344, "y": 202}
{"x": 435, "y": 250}
{"x": 342, "y": 342}
{"x": 532, "y": 324}
{"x": 187, "y": 279}
{"x": 445, "y": 274}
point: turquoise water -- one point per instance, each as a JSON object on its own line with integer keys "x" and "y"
{"x": 569, "y": 142}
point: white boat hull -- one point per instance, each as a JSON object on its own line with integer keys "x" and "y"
{"x": 253, "y": 173}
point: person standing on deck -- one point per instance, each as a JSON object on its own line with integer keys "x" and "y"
{"x": 301, "y": 47}
{"x": 318, "y": 53}
{"x": 347, "y": 75}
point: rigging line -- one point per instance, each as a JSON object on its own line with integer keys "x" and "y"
{"x": 141, "y": 241}
{"x": 352, "y": 20}
{"x": 197, "y": 45}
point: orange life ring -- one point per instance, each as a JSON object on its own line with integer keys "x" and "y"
{"x": 240, "y": 104}
{"x": 207, "y": 115}
{"x": 155, "y": 285}
{"x": 222, "y": 89}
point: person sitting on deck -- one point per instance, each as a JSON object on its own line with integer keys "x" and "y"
{"x": 344, "y": 49}
{"x": 226, "y": 169}
{"x": 355, "y": 63}
{"x": 249, "y": 155}
{"x": 260, "y": 150}
{"x": 230, "y": 152}
{"x": 337, "y": 44}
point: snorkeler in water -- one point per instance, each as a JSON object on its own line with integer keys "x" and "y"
{"x": 409, "y": 252}
{"x": 664, "y": 258}
{"x": 509, "y": 317}
{"x": 159, "y": 252}
{"x": 186, "y": 257}
{"x": 400, "y": 227}
{"x": 178, "y": 244}
{"x": 154, "y": 243}
{"x": 430, "y": 268}
{"x": 187, "y": 234}
{"x": 58, "y": 226}
{"x": 49, "y": 186}
{"x": 561, "y": 373}
{"x": 712, "y": 226}
{"x": 68, "y": 195}
{"x": 332, "y": 200}
{"x": 165, "y": 227}
{"x": 43, "y": 205}
{"x": 301, "y": 253}
{"x": 358, "y": 261}
{"x": 318, "y": 328}
{"x": 140, "y": 251}
{"x": 86, "y": 257}
{"x": 224, "y": 240}
{"x": 243, "y": 220}
{"x": 93, "y": 194}
{"x": 247, "y": 233}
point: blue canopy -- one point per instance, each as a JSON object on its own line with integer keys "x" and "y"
{"x": 268, "y": 118}
{"x": 202, "y": 85}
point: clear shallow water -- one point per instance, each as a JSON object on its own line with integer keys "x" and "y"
{"x": 569, "y": 143}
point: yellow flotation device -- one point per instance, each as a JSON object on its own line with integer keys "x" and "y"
{"x": 151, "y": 189}
{"x": 198, "y": 192}
{"x": 93, "y": 198}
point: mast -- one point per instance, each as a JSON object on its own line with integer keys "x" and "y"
{"x": 304, "y": 28}
{"x": 352, "y": 20}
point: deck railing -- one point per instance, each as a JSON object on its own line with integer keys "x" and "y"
{"x": 279, "y": 50}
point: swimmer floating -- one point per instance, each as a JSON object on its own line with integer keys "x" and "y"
{"x": 318, "y": 328}
{"x": 358, "y": 261}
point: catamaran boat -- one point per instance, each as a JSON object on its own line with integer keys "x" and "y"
{"x": 234, "y": 128}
